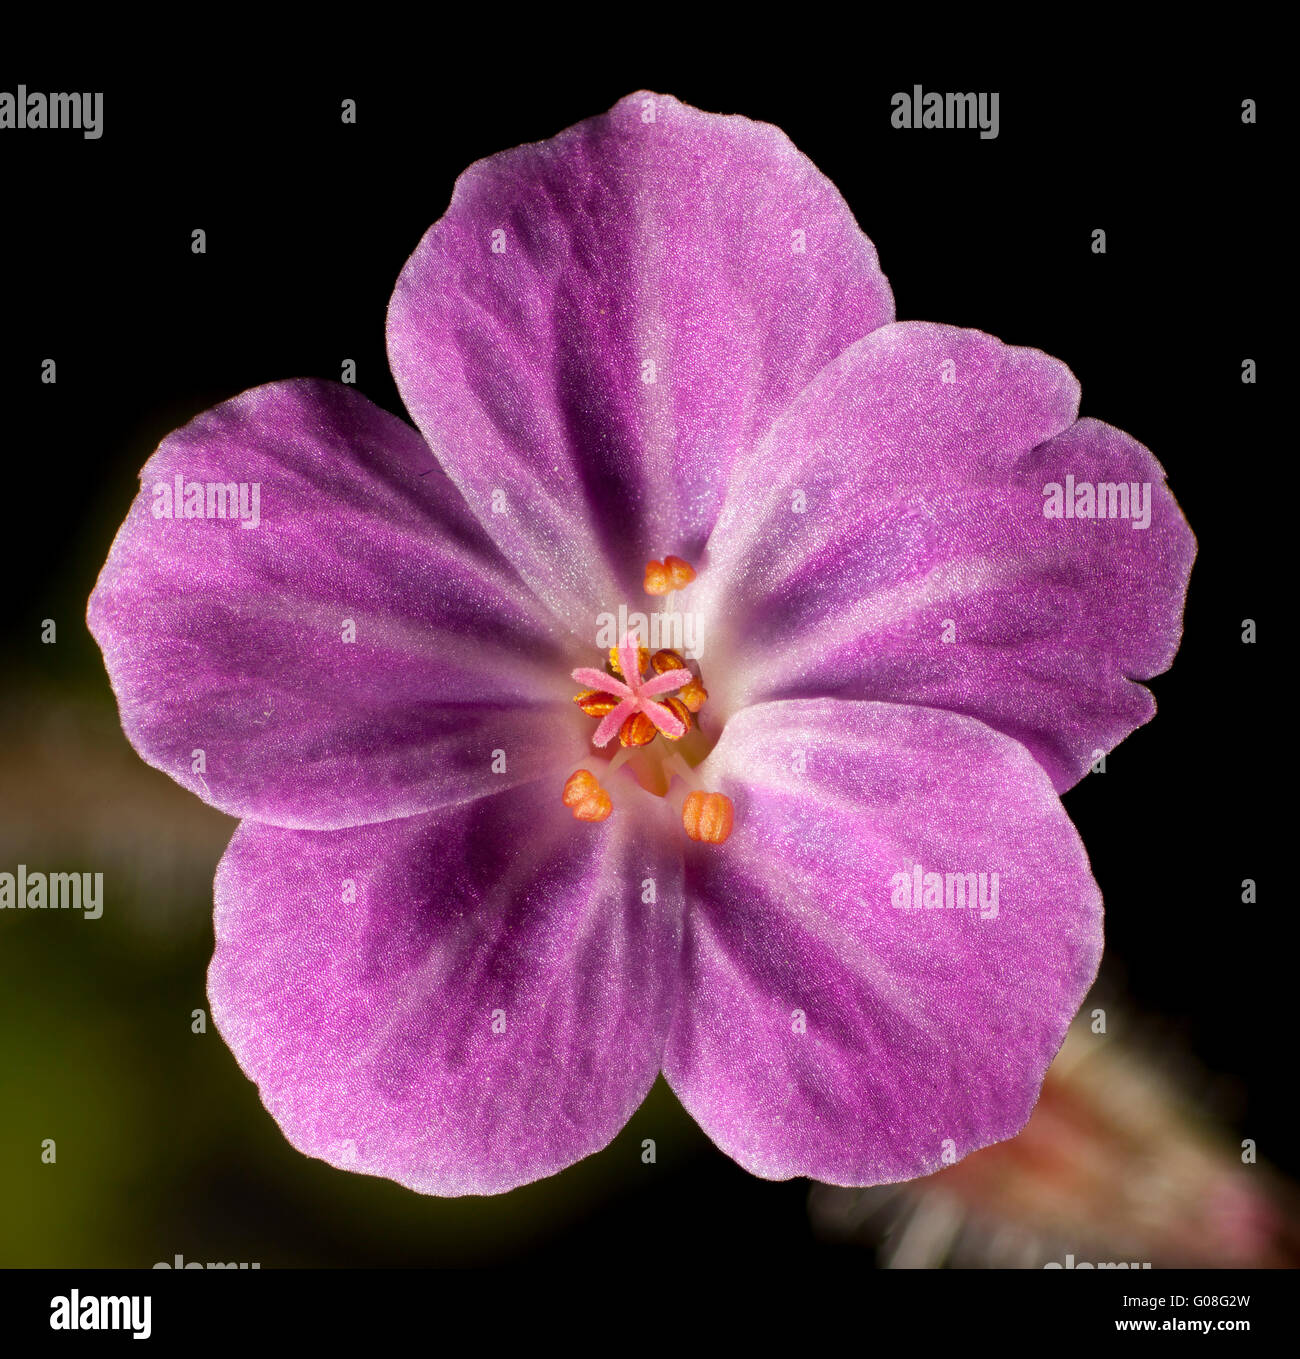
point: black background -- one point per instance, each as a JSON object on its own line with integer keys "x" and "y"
{"x": 309, "y": 221}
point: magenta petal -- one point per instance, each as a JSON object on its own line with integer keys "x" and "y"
{"x": 825, "y": 1030}
{"x": 490, "y": 1008}
{"x": 601, "y": 321}
{"x": 889, "y": 542}
{"x": 231, "y": 641}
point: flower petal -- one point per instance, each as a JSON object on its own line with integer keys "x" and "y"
{"x": 600, "y": 321}
{"x": 227, "y": 647}
{"x": 888, "y": 541}
{"x": 823, "y": 1030}
{"x": 489, "y": 1009}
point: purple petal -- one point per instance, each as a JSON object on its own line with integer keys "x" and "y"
{"x": 888, "y": 541}
{"x": 491, "y": 1007}
{"x": 522, "y": 329}
{"x": 825, "y": 1031}
{"x": 231, "y": 641}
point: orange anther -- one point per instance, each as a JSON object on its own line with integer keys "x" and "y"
{"x": 579, "y": 786}
{"x": 666, "y": 660}
{"x": 681, "y": 712}
{"x": 680, "y": 573}
{"x": 693, "y": 695}
{"x": 657, "y": 581}
{"x": 708, "y": 817}
{"x": 585, "y": 797}
{"x": 638, "y": 730}
{"x": 670, "y": 574}
{"x": 594, "y": 703}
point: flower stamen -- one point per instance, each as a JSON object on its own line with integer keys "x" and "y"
{"x": 663, "y": 577}
{"x": 638, "y": 730}
{"x": 682, "y": 713}
{"x": 585, "y": 798}
{"x": 708, "y": 817}
{"x": 636, "y": 709}
{"x": 594, "y": 703}
{"x": 665, "y": 660}
{"x": 694, "y": 695}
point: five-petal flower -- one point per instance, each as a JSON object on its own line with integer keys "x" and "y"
{"x": 456, "y": 939}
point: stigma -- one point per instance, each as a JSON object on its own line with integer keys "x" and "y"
{"x": 634, "y": 708}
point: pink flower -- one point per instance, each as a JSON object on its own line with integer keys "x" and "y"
{"x": 833, "y": 896}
